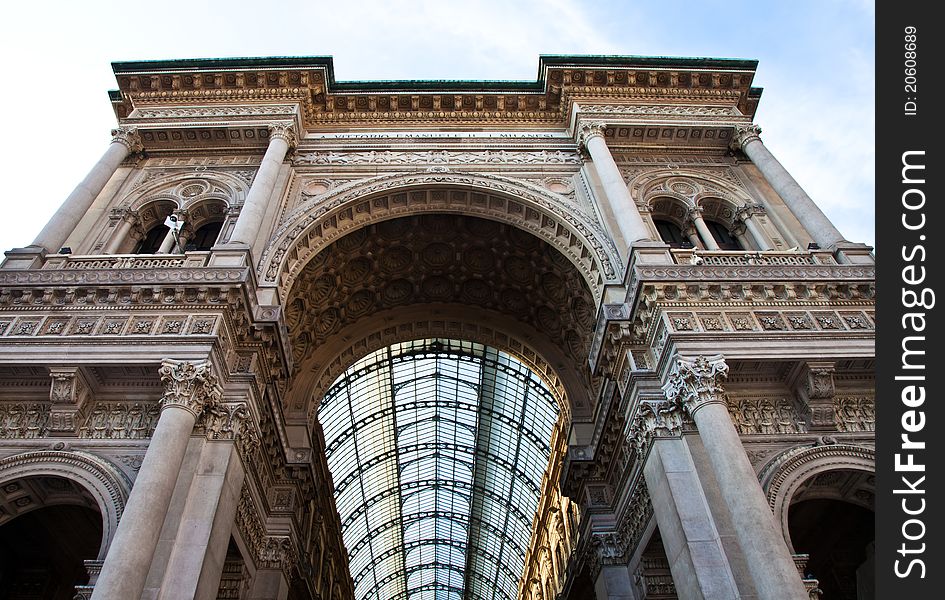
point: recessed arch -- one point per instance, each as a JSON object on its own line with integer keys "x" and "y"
{"x": 190, "y": 188}
{"x": 311, "y": 227}
{"x": 785, "y": 473}
{"x": 501, "y": 285}
{"x": 104, "y": 481}
{"x": 320, "y": 369}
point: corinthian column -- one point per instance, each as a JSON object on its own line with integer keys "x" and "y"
{"x": 281, "y": 137}
{"x": 54, "y": 234}
{"x": 188, "y": 387}
{"x": 620, "y": 204}
{"x": 816, "y": 223}
{"x": 696, "y": 385}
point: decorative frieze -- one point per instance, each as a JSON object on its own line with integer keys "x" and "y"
{"x": 393, "y": 158}
{"x": 765, "y": 415}
{"x": 85, "y": 325}
{"x": 24, "y": 420}
{"x": 120, "y": 421}
{"x": 855, "y": 413}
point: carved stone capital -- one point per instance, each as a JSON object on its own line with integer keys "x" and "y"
{"x": 745, "y": 134}
{"x": 224, "y": 420}
{"x": 189, "y": 386}
{"x": 588, "y": 130}
{"x": 129, "y": 137}
{"x": 697, "y": 382}
{"x": 655, "y": 420}
{"x": 278, "y": 552}
{"x": 284, "y": 131}
{"x": 748, "y": 211}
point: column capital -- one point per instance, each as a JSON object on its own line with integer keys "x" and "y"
{"x": 744, "y": 134}
{"x": 749, "y": 210}
{"x": 125, "y": 214}
{"x": 697, "y": 382}
{"x": 655, "y": 420}
{"x": 129, "y": 137}
{"x": 588, "y": 130}
{"x": 189, "y": 386}
{"x": 284, "y": 131}
{"x": 223, "y": 420}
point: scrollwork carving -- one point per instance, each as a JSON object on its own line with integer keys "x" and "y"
{"x": 188, "y": 385}
{"x": 695, "y": 383}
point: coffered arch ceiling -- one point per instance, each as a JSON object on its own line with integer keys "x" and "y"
{"x": 501, "y": 284}
{"x": 310, "y": 227}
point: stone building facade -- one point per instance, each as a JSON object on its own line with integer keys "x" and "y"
{"x": 614, "y": 241}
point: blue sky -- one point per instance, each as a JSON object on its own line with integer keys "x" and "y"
{"x": 816, "y": 65}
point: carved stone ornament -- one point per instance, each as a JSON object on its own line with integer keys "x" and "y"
{"x": 655, "y": 420}
{"x": 744, "y": 134}
{"x": 129, "y": 137}
{"x": 695, "y": 383}
{"x": 588, "y": 130}
{"x": 188, "y": 385}
{"x": 284, "y": 131}
{"x": 223, "y": 420}
{"x": 277, "y": 552}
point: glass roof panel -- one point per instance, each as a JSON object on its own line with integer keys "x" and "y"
{"x": 437, "y": 449}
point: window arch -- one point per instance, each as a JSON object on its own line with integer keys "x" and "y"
{"x": 206, "y": 236}
{"x": 671, "y": 233}
{"x": 152, "y": 240}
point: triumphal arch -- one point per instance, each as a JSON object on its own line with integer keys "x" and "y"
{"x": 300, "y": 338}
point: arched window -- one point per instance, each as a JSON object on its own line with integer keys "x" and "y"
{"x": 671, "y": 233}
{"x": 723, "y": 236}
{"x": 151, "y": 242}
{"x": 206, "y": 236}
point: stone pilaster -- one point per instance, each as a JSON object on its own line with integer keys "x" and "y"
{"x": 693, "y": 546}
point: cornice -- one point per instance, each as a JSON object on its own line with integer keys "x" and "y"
{"x": 325, "y": 102}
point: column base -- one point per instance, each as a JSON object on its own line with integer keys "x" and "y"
{"x": 21, "y": 259}
{"x": 233, "y": 254}
{"x": 850, "y": 253}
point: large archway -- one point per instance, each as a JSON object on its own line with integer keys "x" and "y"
{"x": 49, "y": 527}
{"x": 488, "y": 276}
{"x": 504, "y": 316}
{"x": 309, "y": 228}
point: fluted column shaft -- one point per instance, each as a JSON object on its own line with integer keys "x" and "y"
{"x": 628, "y": 219}
{"x": 67, "y": 217}
{"x": 188, "y": 387}
{"x": 281, "y": 137}
{"x": 696, "y": 384}
{"x": 807, "y": 212}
